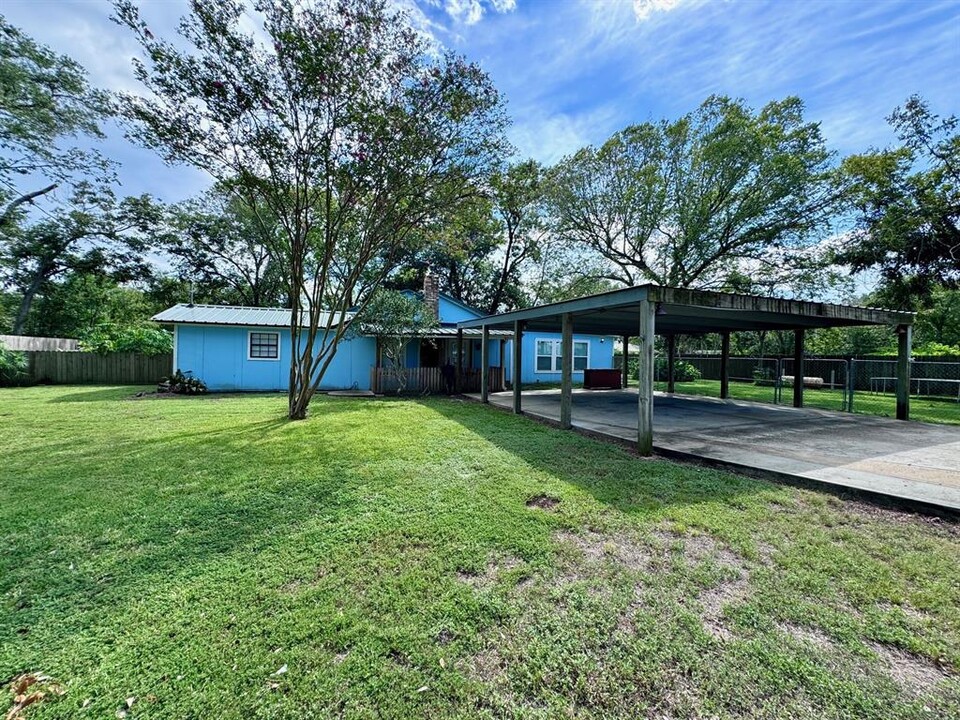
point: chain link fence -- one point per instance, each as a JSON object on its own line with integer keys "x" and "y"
{"x": 866, "y": 386}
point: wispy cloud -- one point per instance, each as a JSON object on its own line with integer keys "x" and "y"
{"x": 643, "y": 9}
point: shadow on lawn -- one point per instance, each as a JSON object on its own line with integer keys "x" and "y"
{"x": 611, "y": 473}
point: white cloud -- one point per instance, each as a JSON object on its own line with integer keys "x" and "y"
{"x": 470, "y": 12}
{"x": 643, "y": 9}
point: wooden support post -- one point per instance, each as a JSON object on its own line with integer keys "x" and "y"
{"x": 645, "y": 390}
{"x": 459, "y": 360}
{"x": 517, "y": 369}
{"x": 671, "y": 363}
{"x": 725, "y": 364}
{"x": 485, "y": 365}
{"x": 798, "y": 368}
{"x": 904, "y": 342}
{"x": 566, "y": 371}
{"x": 626, "y": 361}
{"x": 502, "y": 362}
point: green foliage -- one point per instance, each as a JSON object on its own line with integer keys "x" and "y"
{"x": 696, "y": 201}
{"x": 44, "y": 98}
{"x": 486, "y": 246}
{"x": 935, "y": 349}
{"x": 81, "y": 301}
{"x": 223, "y": 245}
{"x": 907, "y": 203}
{"x": 108, "y": 338}
{"x": 98, "y": 234}
{"x": 182, "y": 384}
{"x": 13, "y": 367}
{"x": 682, "y": 370}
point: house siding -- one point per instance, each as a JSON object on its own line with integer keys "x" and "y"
{"x": 600, "y": 357}
{"x": 218, "y": 356}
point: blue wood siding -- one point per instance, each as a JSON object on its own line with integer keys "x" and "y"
{"x": 600, "y": 356}
{"x": 218, "y": 356}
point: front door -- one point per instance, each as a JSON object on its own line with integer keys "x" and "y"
{"x": 429, "y": 353}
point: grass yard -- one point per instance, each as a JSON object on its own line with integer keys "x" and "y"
{"x": 202, "y": 557}
{"x": 923, "y": 409}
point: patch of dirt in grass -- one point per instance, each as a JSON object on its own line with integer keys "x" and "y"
{"x": 543, "y": 502}
{"x": 715, "y": 599}
{"x": 734, "y": 588}
{"x": 912, "y": 672}
{"x": 814, "y": 636}
{"x": 907, "y": 609}
{"x": 491, "y": 573}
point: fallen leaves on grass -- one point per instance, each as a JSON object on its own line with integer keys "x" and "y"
{"x": 30, "y": 688}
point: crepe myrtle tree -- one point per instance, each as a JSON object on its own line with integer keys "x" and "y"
{"x": 334, "y": 116}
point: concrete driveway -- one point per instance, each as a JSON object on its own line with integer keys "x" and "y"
{"x": 908, "y": 460}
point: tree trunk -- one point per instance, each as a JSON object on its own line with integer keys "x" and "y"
{"x": 27, "y": 301}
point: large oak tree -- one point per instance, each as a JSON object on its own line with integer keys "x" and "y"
{"x": 724, "y": 192}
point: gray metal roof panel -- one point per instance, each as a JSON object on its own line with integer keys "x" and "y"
{"x": 229, "y": 315}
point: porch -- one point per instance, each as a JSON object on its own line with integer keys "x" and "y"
{"x": 445, "y": 361}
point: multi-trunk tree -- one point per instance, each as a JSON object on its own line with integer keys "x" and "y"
{"x": 335, "y": 117}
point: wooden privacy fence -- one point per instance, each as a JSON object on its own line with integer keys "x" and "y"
{"x": 429, "y": 380}
{"x": 73, "y": 368}
{"x": 25, "y": 342}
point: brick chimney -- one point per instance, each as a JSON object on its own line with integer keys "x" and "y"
{"x": 431, "y": 294}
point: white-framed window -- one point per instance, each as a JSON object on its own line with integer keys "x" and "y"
{"x": 549, "y": 355}
{"x": 263, "y": 345}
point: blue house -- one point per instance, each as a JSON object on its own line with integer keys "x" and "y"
{"x": 248, "y": 349}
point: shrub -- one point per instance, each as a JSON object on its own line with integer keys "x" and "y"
{"x": 13, "y": 367}
{"x": 147, "y": 339}
{"x": 182, "y": 384}
{"x": 682, "y": 371}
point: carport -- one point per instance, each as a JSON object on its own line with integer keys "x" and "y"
{"x": 645, "y": 311}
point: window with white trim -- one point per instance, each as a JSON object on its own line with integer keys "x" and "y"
{"x": 263, "y": 346}
{"x": 549, "y": 356}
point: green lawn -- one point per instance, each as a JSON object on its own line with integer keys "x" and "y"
{"x": 204, "y": 558}
{"x": 936, "y": 410}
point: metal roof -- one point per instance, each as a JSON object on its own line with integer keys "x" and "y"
{"x": 442, "y": 332}
{"x": 231, "y": 315}
{"x": 681, "y": 311}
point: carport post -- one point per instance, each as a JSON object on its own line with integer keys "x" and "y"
{"x": 798, "y": 368}
{"x": 904, "y": 342}
{"x": 725, "y": 364}
{"x": 645, "y": 390}
{"x": 626, "y": 361}
{"x": 566, "y": 371}
{"x": 517, "y": 364}
{"x": 671, "y": 363}
{"x": 459, "y": 360}
{"x": 485, "y": 365}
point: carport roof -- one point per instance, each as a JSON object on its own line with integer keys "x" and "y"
{"x": 684, "y": 311}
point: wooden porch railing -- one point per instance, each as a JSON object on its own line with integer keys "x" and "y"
{"x": 429, "y": 381}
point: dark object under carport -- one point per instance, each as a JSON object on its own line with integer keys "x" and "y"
{"x": 600, "y": 379}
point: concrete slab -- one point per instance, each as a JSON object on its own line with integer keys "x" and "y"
{"x": 919, "y": 462}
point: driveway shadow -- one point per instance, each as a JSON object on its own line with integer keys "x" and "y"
{"x": 610, "y": 472}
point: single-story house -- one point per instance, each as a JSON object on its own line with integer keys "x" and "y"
{"x": 244, "y": 348}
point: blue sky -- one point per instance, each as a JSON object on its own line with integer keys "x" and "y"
{"x": 575, "y": 71}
